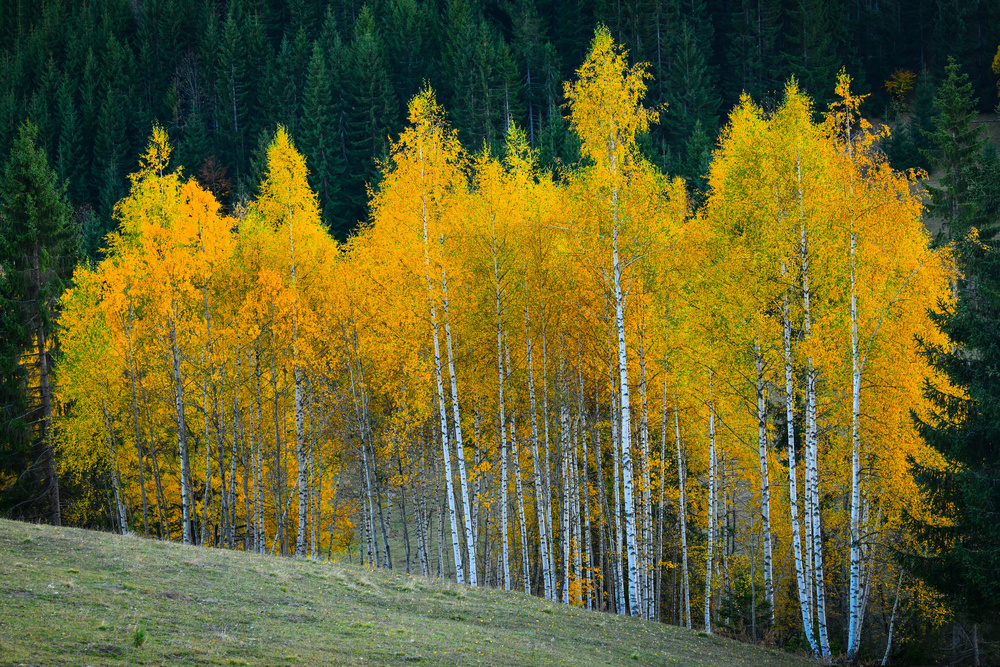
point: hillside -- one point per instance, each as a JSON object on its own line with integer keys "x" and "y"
{"x": 71, "y": 597}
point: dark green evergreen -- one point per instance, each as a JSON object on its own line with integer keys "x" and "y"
{"x": 371, "y": 114}
{"x": 963, "y": 557}
{"x": 320, "y": 142}
{"x": 956, "y": 146}
{"x": 37, "y": 255}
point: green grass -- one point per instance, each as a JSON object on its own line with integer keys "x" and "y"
{"x": 75, "y": 597}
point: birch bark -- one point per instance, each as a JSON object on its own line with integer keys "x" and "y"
{"x": 711, "y": 517}
{"x": 470, "y": 540}
{"x": 682, "y": 517}
{"x": 765, "y": 482}
{"x": 541, "y": 511}
{"x": 793, "y": 494}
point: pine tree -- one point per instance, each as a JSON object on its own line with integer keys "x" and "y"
{"x": 372, "y": 113}
{"x": 964, "y": 427}
{"x": 691, "y": 97}
{"x": 195, "y": 146}
{"x": 810, "y": 41}
{"x": 752, "y": 55}
{"x": 482, "y": 78}
{"x": 320, "y": 142}
{"x": 956, "y": 147}
{"x": 36, "y": 255}
{"x": 410, "y": 31}
{"x": 71, "y": 158}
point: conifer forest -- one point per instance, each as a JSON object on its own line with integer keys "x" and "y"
{"x": 680, "y": 309}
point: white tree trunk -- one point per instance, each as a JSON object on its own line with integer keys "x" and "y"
{"x": 502, "y": 430}
{"x": 564, "y": 510}
{"x": 547, "y": 482}
{"x": 812, "y": 456}
{"x": 438, "y": 376}
{"x": 540, "y": 510}
{"x": 711, "y": 517}
{"x": 182, "y": 447}
{"x": 855, "y": 612}
{"x": 765, "y": 482}
{"x": 470, "y": 540}
{"x": 518, "y": 486}
{"x": 645, "y": 570}
{"x": 626, "y": 435}
{"x": 793, "y": 494}
{"x": 682, "y": 519}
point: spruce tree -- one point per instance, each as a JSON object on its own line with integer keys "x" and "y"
{"x": 195, "y": 145}
{"x": 372, "y": 113}
{"x": 71, "y": 158}
{"x": 956, "y": 147}
{"x": 962, "y": 552}
{"x": 692, "y": 100}
{"x": 37, "y": 254}
{"x": 320, "y": 141}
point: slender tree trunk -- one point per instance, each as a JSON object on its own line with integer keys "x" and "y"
{"x": 856, "y": 611}
{"x": 470, "y": 540}
{"x": 892, "y": 621}
{"x": 682, "y": 518}
{"x": 711, "y": 517}
{"x": 540, "y": 510}
{"x": 765, "y": 481}
{"x": 402, "y": 506}
{"x": 564, "y": 517}
{"x": 793, "y": 494}
{"x": 113, "y": 464}
{"x": 602, "y": 498}
{"x": 518, "y": 485}
{"x": 438, "y": 376}
{"x": 626, "y": 435}
{"x": 659, "y": 513}
{"x": 616, "y": 451}
{"x": 812, "y": 454}
{"x": 135, "y": 422}
{"x": 181, "y": 434}
{"x": 647, "y": 499}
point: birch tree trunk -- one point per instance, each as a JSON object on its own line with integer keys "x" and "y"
{"x": 587, "y": 535}
{"x": 442, "y": 410}
{"x": 547, "y": 481}
{"x": 855, "y": 611}
{"x": 502, "y": 428}
{"x": 682, "y": 517}
{"x": 711, "y": 517}
{"x": 793, "y": 494}
{"x": 470, "y": 540}
{"x": 135, "y": 419}
{"x": 564, "y": 442}
{"x": 765, "y": 482}
{"x": 619, "y": 539}
{"x": 181, "y": 433}
{"x": 625, "y": 434}
{"x": 646, "y": 553}
{"x": 518, "y": 487}
{"x": 540, "y": 509}
{"x": 812, "y": 456}
{"x": 113, "y": 461}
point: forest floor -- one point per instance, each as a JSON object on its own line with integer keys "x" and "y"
{"x": 76, "y": 597}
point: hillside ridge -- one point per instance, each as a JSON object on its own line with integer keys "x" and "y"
{"x": 75, "y": 597}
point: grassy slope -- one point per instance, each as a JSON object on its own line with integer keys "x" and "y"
{"x": 73, "y": 597}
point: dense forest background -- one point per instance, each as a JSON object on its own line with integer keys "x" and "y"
{"x": 219, "y": 76}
